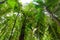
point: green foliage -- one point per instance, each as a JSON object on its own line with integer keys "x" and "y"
{"x": 30, "y": 20}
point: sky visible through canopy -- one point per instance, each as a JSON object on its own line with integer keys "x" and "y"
{"x": 25, "y": 1}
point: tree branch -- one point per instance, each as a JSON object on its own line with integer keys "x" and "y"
{"x": 53, "y": 16}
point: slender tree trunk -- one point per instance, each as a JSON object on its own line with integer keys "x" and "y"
{"x": 22, "y": 35}
{"x": 13, "y": 26}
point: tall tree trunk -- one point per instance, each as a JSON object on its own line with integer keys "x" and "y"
{"x": 22, "y": 35}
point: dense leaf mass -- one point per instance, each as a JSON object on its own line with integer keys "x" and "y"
{"x": 37, "y": 20}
